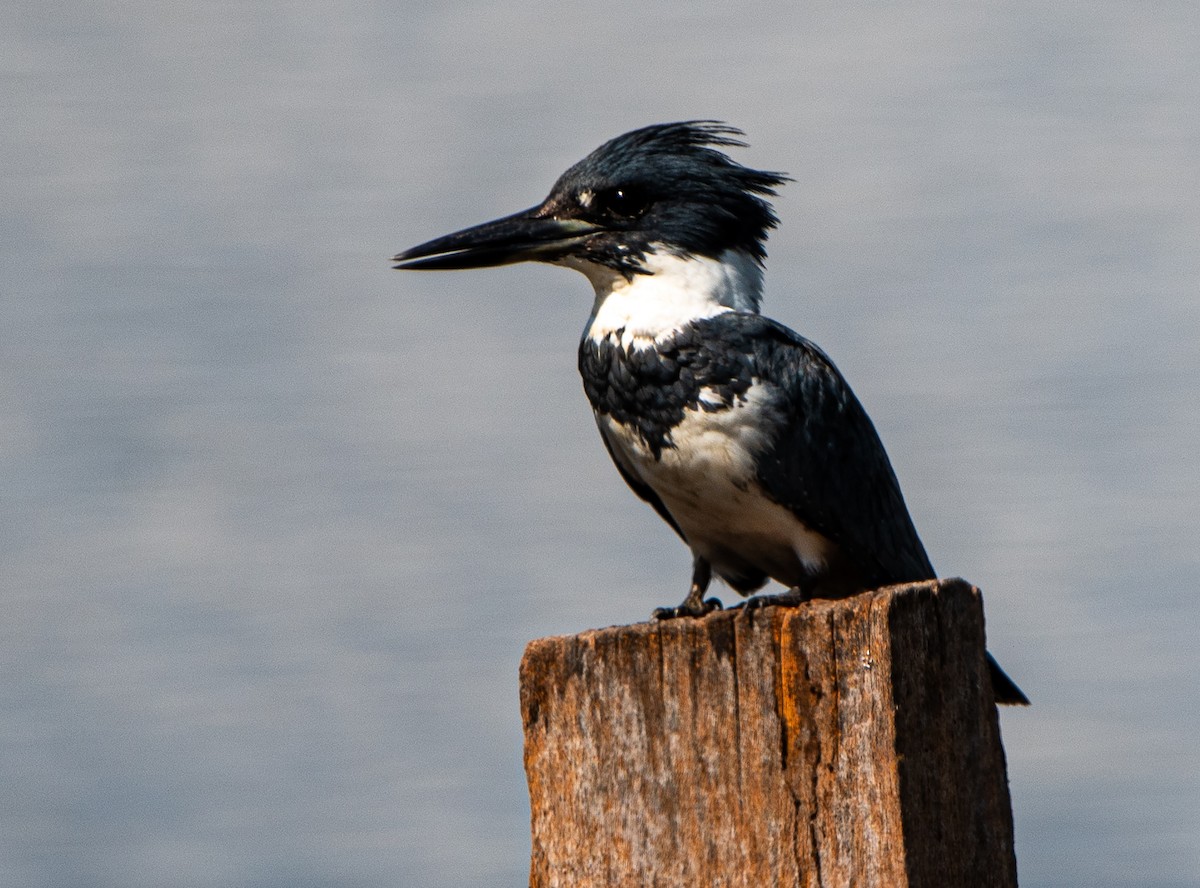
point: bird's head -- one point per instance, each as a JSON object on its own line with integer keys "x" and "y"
{"x": 663, "y": 187}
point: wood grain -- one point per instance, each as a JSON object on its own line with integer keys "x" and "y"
{"x": 838, "y": 743}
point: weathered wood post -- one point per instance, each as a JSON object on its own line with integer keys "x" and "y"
{"x": 840, "y": 743}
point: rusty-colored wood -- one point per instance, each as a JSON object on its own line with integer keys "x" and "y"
{"x": 840, "y": 743}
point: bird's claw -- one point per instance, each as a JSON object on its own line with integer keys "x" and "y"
{"x": 687, "y": 609}
{"x": 791, "y": 598}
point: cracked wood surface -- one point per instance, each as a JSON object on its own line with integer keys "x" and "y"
{"x": 839, "y": 743}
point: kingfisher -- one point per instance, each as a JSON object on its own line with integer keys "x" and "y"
{"x": 740, "y": 433}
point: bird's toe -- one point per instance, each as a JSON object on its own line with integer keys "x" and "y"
{"x": 688, "y": 609}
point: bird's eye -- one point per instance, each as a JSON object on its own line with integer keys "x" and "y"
{"x": 625, "y": 203}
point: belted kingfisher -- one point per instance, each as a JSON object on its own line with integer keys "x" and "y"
{"x": 741, "y": 434}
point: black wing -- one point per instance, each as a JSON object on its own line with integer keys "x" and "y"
{"x": 826, "y": 464}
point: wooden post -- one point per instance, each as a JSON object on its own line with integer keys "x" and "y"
{"x": 840, "y": 743}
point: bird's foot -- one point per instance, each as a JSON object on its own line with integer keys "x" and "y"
{"x": 791, "y": 598}
{"x": 689, "y": 608}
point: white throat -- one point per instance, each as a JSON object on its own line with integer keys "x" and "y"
{"x": 676, "y": 290}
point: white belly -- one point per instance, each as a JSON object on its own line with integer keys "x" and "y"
{"x": 707, "y": 482}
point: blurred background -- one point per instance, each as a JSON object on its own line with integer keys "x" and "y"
{"x": 276, "y": 522}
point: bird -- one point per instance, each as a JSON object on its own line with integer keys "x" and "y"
{"x": 740, "y": 433}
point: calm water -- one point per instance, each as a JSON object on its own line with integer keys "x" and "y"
{"x": 276, "y": 522}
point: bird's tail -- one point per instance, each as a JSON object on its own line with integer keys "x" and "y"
{"x": 1004, "y": 689}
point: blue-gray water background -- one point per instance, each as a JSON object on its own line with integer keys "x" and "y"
{"x": 276, "y": 521}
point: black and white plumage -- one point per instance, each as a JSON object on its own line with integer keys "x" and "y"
{"x": 741, "y": 434}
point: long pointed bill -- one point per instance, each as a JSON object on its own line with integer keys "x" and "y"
{"x": 517, "y": 238}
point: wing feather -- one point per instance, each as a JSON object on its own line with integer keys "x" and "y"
{"x": 826, "y": 463}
